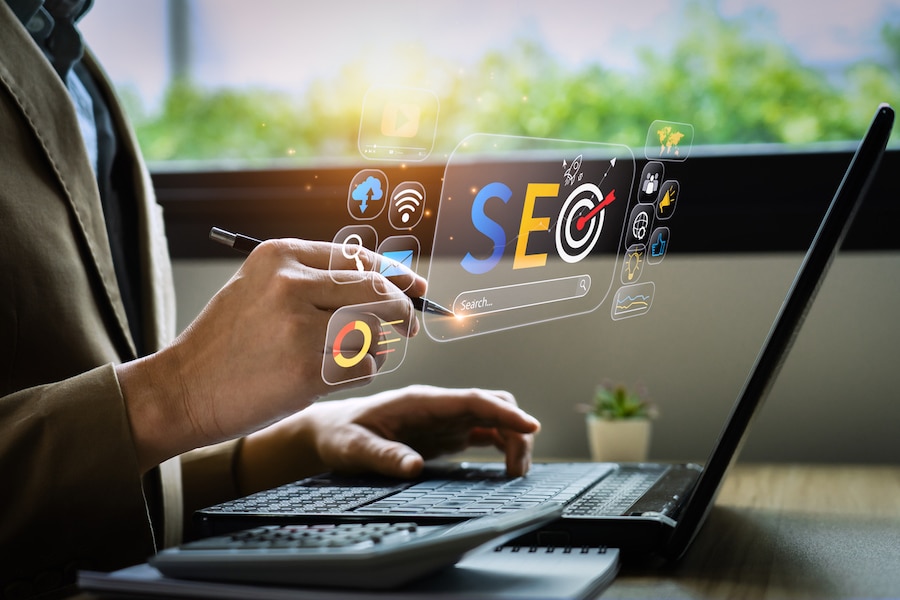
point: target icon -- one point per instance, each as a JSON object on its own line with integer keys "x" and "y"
{"x": 581, "y": 221}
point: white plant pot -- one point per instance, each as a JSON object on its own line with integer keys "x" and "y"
{"x": 625, "y": 440}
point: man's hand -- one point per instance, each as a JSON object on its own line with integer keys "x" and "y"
{"x": 391, "y": 433}
{"x": 254, "y": 355}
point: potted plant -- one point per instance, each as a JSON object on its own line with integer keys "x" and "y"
{"x": 618, "y": 423}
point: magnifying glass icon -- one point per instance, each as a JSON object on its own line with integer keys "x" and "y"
{"x": 351, "y": 247}
{"x": 582, "y": 285}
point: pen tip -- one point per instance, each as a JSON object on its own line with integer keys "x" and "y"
{"x": 438, "y": 309}
{"x": 432, "y": 307}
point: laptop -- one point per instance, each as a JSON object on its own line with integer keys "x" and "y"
{"x": 655, "y": 508}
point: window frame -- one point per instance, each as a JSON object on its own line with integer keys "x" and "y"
{"x": 738, "y": 202}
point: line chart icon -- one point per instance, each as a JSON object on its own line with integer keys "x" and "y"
{"x": 632, "y": 300}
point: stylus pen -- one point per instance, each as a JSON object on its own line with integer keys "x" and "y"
{"x": 246, "y": 244}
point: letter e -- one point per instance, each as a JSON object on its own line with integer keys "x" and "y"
{"x": 529, "y": 223}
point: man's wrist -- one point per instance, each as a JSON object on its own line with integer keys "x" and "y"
{"x": 283, "y": 452}
{"x": 154, "y": 411}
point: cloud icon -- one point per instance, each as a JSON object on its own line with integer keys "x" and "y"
{"x": 370, "y": 189}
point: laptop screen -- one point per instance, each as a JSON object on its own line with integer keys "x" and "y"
{"x": 824, "y": 247}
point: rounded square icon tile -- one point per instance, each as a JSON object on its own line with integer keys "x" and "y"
{"x": 668, "y": 199}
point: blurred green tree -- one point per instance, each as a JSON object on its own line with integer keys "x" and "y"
{"x": 735, "y": 87}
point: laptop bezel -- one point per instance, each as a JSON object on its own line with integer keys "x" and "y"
{"x": 823, "y": 248}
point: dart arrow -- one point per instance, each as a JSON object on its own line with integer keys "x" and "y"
{"x": 582, "y": 221}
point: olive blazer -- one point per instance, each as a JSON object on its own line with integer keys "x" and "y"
{"x": 71, "y": 496}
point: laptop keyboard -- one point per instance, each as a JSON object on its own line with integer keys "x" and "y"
{"x": 615, "y": 494}
{"x": 470, "y": 491}
{"x": 477, "y": 496}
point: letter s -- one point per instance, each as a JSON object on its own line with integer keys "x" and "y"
{"x": 489, "y": 227}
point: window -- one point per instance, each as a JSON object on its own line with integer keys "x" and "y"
{"x": 259, "y": 115}
{"x": 275, "y": 83}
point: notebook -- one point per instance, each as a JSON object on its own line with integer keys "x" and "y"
{"x": 654, "y": 508}
{"x": 486, "y": 573}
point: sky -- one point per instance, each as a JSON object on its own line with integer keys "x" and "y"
{"x": 285, "y": 44}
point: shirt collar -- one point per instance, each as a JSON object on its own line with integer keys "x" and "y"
{"x": 26, "y": 10}
{"x": 52, "y": 25}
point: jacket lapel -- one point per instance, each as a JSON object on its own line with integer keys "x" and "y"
{"x": 158, "y": 300}
{"x": 45, "y": 104}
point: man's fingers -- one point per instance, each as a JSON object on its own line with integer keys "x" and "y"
{"x": 490, "y": 409}
{"x": 517, "y": 449}
{"x": 369, "y": 452}
{"x": 515, "y": 446}
{"x": 302, "y": 286}
{"x": 345, "y": 267}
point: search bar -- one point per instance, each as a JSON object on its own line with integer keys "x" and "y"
{"x": 520, "y": 295}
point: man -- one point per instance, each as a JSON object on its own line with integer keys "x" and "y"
{"x": 111, "y": 432}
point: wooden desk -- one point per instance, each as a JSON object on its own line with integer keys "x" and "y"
{"x": 787, "y": 531}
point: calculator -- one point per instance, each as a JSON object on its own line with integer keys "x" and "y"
{"x": 365, "y": 555}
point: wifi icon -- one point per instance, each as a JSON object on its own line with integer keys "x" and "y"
{"x": 407, "y": 203}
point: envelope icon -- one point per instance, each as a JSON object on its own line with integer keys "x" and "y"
{"x": 395, "y": 260}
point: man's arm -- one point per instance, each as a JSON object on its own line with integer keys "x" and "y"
{"x": 72, "y": 494}
{"x": 254, "y": 354}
